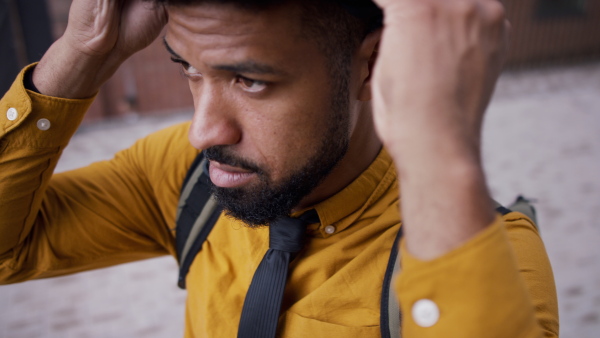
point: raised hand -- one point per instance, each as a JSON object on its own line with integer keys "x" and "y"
{"x": 437, "y": 66}
{"x": 100, "y": 35}
{"x": 436, "y": 69}
{"x": 99, "y": 28}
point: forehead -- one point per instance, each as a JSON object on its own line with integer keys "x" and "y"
{"x": 202, "y": 30}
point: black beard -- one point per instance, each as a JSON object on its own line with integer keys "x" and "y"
{"x": 259, "y": 205}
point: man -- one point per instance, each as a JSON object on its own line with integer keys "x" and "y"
{"x": 282, "y": 94}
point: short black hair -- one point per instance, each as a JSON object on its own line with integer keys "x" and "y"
{"x": 337, "y": 26}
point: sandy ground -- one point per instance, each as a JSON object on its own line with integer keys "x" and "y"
{"x": 542, "y": 139}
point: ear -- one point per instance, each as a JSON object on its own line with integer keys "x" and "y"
{"x": 367, "y": 55}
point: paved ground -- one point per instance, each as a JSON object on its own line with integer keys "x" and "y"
{"x": 542, "y": 139}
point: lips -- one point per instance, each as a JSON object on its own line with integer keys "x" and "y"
{"x": 226, "y": 176}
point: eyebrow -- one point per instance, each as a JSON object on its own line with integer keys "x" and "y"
{"x": 249, "y": 67}
{"x": 245, "y": 67}
{"x": 169, "y": 49}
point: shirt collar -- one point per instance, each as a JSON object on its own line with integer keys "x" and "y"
{"x": 344, "y": 208}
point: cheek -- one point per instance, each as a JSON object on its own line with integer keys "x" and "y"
{"x": 286, "y": 135}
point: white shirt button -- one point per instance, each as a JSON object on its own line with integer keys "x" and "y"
{"x": 12, "y": 114}
{"x": 43, "y": 124}
{"x": 425, "y": 313}
{"x": 329, "y": 229}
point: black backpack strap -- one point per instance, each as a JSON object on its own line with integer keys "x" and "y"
{"x": 390, "y": 316}
{"x": 390, "y": 319}
{"x": 197, "y": 213}
{"x": 501, "y": 209}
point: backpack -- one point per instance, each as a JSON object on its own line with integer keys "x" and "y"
{"x": 198, "y": 211}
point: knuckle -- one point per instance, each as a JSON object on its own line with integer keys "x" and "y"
{"x": 496, "y": 11}
{"x": 507, "y": 26}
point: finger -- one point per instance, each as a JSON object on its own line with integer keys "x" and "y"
{"x": 494, "y": 11}
{"x": 493, "y": 15}
{"x": 507, "y": 32}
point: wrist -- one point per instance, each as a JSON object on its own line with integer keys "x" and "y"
{"x": 445, "y": 200}
{"x": 430, "y": 154}
{"x": 68, "y": 73}
{"x": 444, "y": 208}
{"x": 28, "y": 80}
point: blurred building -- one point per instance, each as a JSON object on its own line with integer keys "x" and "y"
{"x": 24, "y": 36}
{"x": 543, "y": 32}
{"x": 553, "y": 31}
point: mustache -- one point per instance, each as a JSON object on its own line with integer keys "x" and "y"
{"x": 223, "y": 155}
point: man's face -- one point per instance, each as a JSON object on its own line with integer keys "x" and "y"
{"x": 270, "y": 117}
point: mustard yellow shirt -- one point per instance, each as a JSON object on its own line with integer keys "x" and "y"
{"x": 499, "y": 284}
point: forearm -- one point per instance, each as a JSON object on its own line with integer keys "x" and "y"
{"x": 454, "y": 254}
{"x": 428, "y": 107}
{"x": 487, "y": 277}
{"x": 436, "y": 69}
{"x": 68, "y": 73}
{"x": 35, "y": 128}
{"x": 445, "y": 200}
{"x": 100, "y": 35}
{"x": 53, "y": 225}
{"x": 28, "y": 155}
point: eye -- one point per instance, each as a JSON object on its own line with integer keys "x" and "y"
{"x": 188, "y": 70}
{"x": 252, "y": 86}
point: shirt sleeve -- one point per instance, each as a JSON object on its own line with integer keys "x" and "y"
{"x": 108, "y": 213}
{"x": 499, "y": 284}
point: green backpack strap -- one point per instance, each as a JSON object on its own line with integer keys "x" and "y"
{"x": 522, "y": 205}
{"x": 195, "y": 219}
{"x": 525, "y": 206}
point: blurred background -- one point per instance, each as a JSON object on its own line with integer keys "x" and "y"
{"x": 541, "y": 139}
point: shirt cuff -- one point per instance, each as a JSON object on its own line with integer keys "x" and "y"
{"x": 471, "y": 291}
{"x": 41, "y": 121}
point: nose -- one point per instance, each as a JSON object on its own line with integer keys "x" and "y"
{"x": 214, "y": 120}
